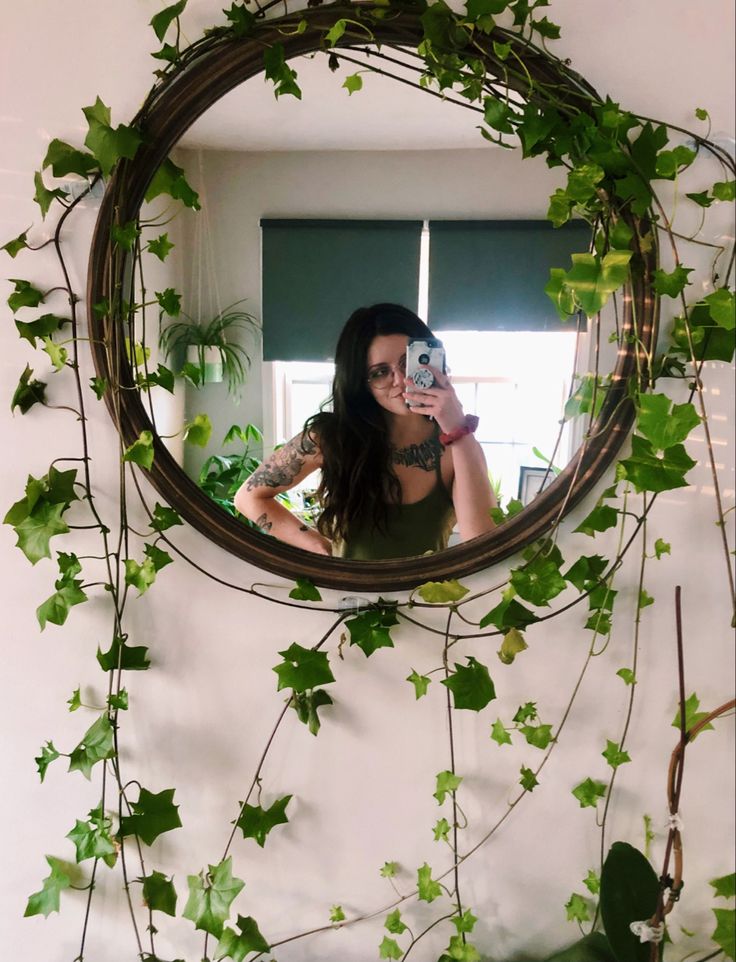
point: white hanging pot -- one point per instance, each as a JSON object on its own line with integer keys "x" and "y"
{"x": 212, "y": 368}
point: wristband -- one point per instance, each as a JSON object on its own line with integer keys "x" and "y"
{"x": 469, "y": 427}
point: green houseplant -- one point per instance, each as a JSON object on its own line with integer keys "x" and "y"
{"x": 213, "y": 353}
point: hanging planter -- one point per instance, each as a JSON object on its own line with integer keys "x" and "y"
{"x": 209, "y": 362}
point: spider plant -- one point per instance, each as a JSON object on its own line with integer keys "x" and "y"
{"x": 216, "y": 338}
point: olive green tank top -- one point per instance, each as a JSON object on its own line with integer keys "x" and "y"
{"x": 411, "y": 529}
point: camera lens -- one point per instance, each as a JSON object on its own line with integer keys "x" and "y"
{"x": 424, "y": 358}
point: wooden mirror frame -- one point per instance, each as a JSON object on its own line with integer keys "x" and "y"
{"x": 169, "y": 111}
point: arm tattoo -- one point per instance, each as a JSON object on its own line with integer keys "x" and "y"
{"x": 425, "y": 455}
{"x": 283, "y": 466}
{"x": 264, "y": 524}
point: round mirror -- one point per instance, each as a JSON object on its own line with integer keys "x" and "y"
{"x": 309, "y": 208}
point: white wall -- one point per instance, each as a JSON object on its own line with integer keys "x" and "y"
{"x": 362, "y": 789}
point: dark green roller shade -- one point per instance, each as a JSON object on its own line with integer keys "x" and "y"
{"x": 315, "y": 273}
{"x": 490, "y": 274}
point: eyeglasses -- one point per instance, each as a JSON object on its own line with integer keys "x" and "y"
{"x": 382, "y": 376}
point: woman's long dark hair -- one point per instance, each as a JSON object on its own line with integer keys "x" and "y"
{"x": 358, "y": 480}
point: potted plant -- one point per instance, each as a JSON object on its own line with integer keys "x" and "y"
{"x": 212, "y": 352}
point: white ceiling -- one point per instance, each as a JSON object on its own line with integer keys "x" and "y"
{"x": 384, "y": 115}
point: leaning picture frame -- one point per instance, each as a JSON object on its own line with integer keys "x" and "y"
{"x": 532, "y": 481}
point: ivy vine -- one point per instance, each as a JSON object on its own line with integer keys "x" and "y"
{"x": 616, "y": 164}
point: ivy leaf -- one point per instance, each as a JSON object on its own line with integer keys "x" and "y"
{"x": 28, "y": 392}
{"x": 303, "y": 668}
{"x": 440, "y": 832}
{"x": 724, "y": 887}
{"x": 389, "y": 869}
{"x": 305, "y": 591}
{"x": 256, "y": 822}
{"x": 55, "y": 609}
{"x": 108, "y": 144}
{"x": 16, "y": 245}
{"x": 671, "y": 285}
{"x": 508, "y": 614}
{"x": 96, "y": 745}
{"x": 99, "y": 386}
{"x": 710, "y": 341}
{"x": 58, "y": 355}
{"x": 140, "y": 576}
{"x": 513, "y": 644}
{"x": 390, "y": 949}
{"x": 528, "y": 780}
{"x": 169, "y": 301}
{"x": 276, "y": 69}
{"x": 583, "y": 181}
{"x": 171, "y": 180}
{"x": 649, "y": 472}
{"x": 465, "y": 922}
{"x": 725, "y": 931}
{"x": 537, "y": 735}
{"x": 447, "y": 782}
{"x": 164, "y": 517}
{"x": 722, "y": 306}
{"x": 141, "y": 450}
{"x": 669, "y": 162}
{"x": 539, "y": 580}
{"x": 601, "y": 518}
{"x": 370, "y": 630}
{"x": 199, "y": 430}
{"x": 614, "y": 755}
{"x": 627, "y": 675}
{"x": 123, "y": 656}
{"x": 242, "y": 19}
{"x": 119, "y": 701}
{"x": 587, "y": 397}
{"x": 497, "y": 115}
{"x": 353, "y": 83}
{"x": 593, "y": 279}
{"x": 442, "y": 592}
{"x": 723, "y": 190}
{"x": 586, "y": 571}
{"x": 337, "y": 914}
{"x": 577, "y": 908}
{"x": 664, "y": 423}
{"x": 692, "y": 716}
{"x": 153, "y": 814}
{"x": 41, "y": 327}
{"x": 429, "y": 890}
{"x": 162, "y": 377}
{"x": 158, "y": 558}
{"x": 45, "y": 197}
{"x": 125, "y": 235}
{"x": 24, "y": 295}
{"x": 499, "y": 733}
{"x": 547, "y": 29}
{"x": 48, "y": 754}
{"x": 163, "y": 20}
{"x": 236, "y": 945}
{"x": 160, "y": 247}
{"x": 159, "y": 893}
{"x": 471, "y": 685}
{"x": 661, "y": 547}
{"x": 420, "y": 682}
{"x": 592, "y": 882}
{"x": 702, "y": 198}
{"x": 92, "y": 838}
{"x": 307, "y": 704}
{"x": 210, "y": 897}
{"x": 526, "y": 712}
{"x": 47, "y": 900}
{"x": 645, "y": 599}
{"x": 588, "y": 792}
{"x": 335, "y": 32}
{"x": 192, "y": 373}
{"x": 35, "y": 531}
{"x": 63, "y": 159}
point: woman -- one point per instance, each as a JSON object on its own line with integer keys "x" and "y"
{"x": 394, "y": 477}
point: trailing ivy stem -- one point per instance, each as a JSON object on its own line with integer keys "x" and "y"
{"x": 271, "y": 737}
{"x": 703, "y": 411}
{"x": 415, "y": 939}
{"x": 630, "y": 706}
{"x": 452, "y": 768}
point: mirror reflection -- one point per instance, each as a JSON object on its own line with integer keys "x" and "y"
{"x": 310, "y": 210}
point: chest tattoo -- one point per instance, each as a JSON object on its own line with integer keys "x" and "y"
{"x": 425, "y": 455}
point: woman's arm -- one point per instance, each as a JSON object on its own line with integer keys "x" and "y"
{"x": 286, "y": 467}
{"x": 472, "y": 494}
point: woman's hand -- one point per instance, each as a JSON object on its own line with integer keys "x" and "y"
{"x": 439, "y": 401}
